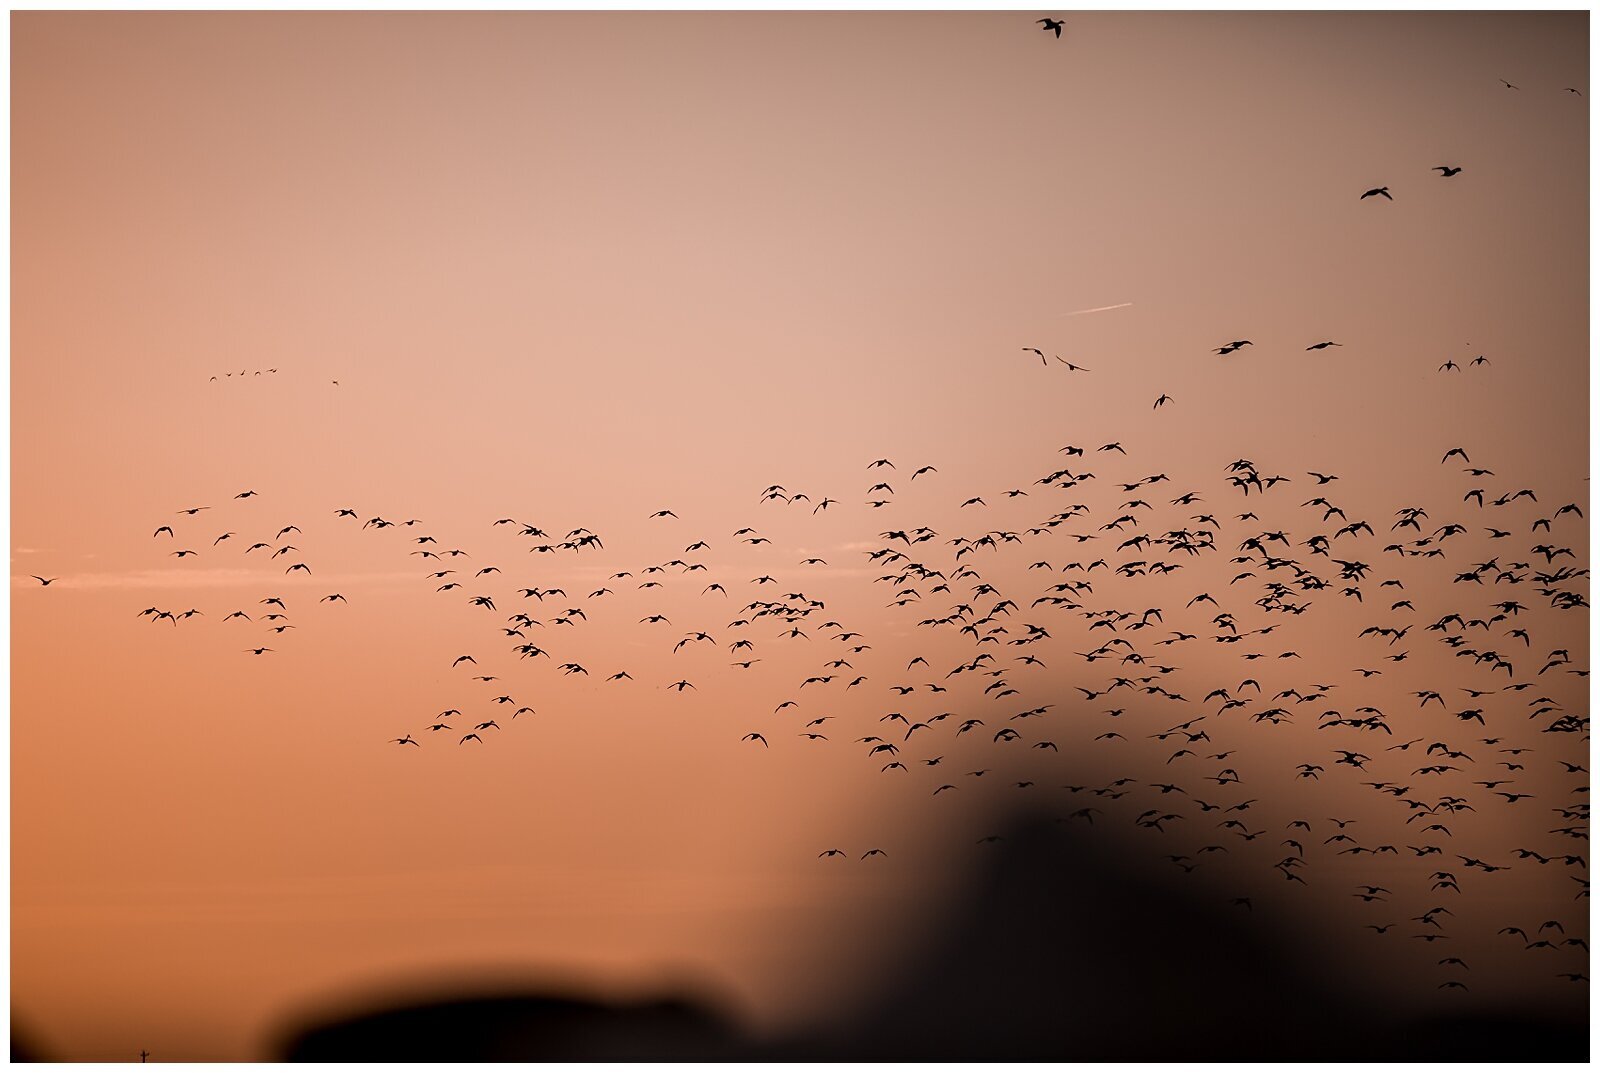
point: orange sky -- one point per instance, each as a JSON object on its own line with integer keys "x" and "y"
{"x": 574, "y": 269}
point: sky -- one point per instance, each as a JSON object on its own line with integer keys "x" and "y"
{"x": 573, "y": 269}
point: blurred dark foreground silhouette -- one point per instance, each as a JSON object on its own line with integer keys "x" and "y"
{"x": 1062, "y": 951}
{"x": 521, "y": 1028}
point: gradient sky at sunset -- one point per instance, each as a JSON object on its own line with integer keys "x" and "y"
{"x": 576, "y": 268}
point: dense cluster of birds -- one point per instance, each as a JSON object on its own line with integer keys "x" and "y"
{"x": 1194, "y": 749}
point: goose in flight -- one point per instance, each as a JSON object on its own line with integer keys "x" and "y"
{"x": 1446, "y": 172}
{"x": 1051, "y": 24}
{"x": 1377, "y": 191}
{"x": 43, "y": 580}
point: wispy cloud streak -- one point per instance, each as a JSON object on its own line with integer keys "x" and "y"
{"x": 1096, "y": 309}
{"x": 205, "y": 579}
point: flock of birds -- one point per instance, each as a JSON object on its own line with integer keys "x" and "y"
{"x": 1449, "y": 365}
{"x": 1109, "y": 600}
{"x": 1172, "y": 619}
{"x": 243, "y": 373}
{"x": 1444, "y": 170}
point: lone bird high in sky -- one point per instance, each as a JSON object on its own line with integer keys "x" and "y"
{"x": 692, "y": 543}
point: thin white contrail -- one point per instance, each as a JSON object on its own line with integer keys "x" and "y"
{"x": 1097, "y": 309}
